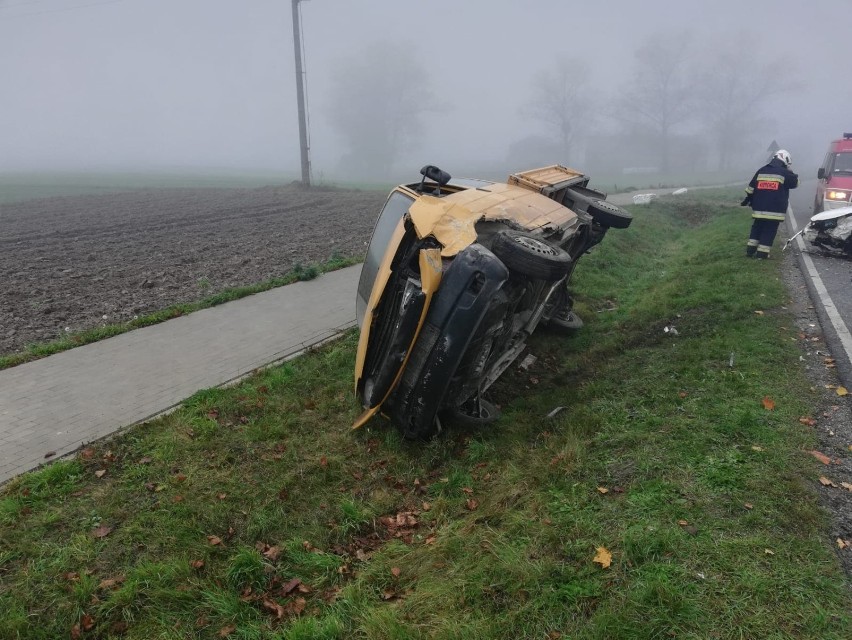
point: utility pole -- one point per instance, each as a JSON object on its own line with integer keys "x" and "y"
{"x": 300, "y": 96}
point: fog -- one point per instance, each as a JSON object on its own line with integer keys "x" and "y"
{"x": 210, "y": 84}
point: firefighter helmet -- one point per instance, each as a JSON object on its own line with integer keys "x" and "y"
{"x": 784, "y": 156}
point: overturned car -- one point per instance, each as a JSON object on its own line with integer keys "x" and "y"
{"x": 457, "y": 276}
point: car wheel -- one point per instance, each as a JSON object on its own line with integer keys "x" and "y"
{"x": 565, "y": 321}
{"x": 607, "y": 214}
{"x": 475, "y": 413}
{"x": 530, "y": 256}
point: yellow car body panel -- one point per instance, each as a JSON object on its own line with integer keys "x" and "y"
{"x": 452, "y": 219}
{"x": 382, "y": 278}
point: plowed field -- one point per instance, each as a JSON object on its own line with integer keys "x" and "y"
{"x": 73, "y": 263}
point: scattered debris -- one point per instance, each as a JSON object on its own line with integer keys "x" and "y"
{"x": 644, "y": 198}
{"x": 527, "y": 362}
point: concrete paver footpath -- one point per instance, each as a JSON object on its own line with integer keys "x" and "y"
{"x": 57, "y": 403}
{"x": 60, "y": 402}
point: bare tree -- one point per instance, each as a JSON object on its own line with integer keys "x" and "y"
{"x": 737, "y": 82}
{"x": 561, "y": 99}
{"x": 659, "y": 97}
{"x": 376, "y": 102}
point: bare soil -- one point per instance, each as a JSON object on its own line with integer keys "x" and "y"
{"x": 68, "y": 264}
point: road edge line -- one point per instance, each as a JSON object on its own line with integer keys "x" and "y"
{"x": 817, "y": 289}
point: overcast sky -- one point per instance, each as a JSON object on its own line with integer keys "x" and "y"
{"x": 211, "y": 83}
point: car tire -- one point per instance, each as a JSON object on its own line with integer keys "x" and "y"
{"x": 471, "y": 416}
{"x": 607, "y": 214}
{"x": 567, "y": 322}
{"x": 529, "y": 256}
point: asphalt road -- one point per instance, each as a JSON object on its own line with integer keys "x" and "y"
{"x": 829, "y": 281}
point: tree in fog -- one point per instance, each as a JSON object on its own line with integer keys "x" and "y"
{"x": 737, "y": 82}
{"x": 377, "y": 101}
{"x": 561, "y": 99}
{"x": 659, "y": 97}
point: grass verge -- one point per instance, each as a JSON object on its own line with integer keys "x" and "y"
{"x": 665, "y": 500}
{"x": 298, "y": 273}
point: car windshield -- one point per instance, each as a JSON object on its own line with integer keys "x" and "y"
{"x": 843, "y": 164}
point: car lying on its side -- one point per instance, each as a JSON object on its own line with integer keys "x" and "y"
{"x": 457, "y": 276}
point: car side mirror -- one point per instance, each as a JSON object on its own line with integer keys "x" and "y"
{"x": 821, "y": 173}
{"x": 434, "y": 173}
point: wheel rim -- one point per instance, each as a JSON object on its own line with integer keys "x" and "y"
{"x": 535, "y": 245}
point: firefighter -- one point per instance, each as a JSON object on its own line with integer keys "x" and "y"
{"x": 768, "y": 195}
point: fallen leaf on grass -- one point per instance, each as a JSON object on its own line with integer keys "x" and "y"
{"x": 214, "y": 540}
{"x": 756, "y": 448}
{"x": 769, "y": 552}
{"x": 100, "y": 473}
{"x": 288, "y": 588}
{"x": 841, "y": 391}
{"x": 224, "y": 632}
{"x": 749, "y": 506}
{"x": 274, "y": 607}
{"x": 846, "y": 486}
{"x": 76, "y": 634}
{"x": 395, "y": 571}
{"x": 197, "y": 564}
{"x": 842, "y": 543}
{"x": 821, "y": 457}
{"x": 87, "y": 454}
{"x": 826, "y": 482}
{"x": 472, "y": 505}
{"x": 807, "y": 421}
{"x": 102, "y": 531}
{"x": 109, "y": 583}
{"x": 768, "y": 403}
{"x": 603, "y": 490}
{"x": 272, "y": 553}
{"x": 87, "y": 622}
{"x": 758, "y": 312}
{"x": 603, "y": 557}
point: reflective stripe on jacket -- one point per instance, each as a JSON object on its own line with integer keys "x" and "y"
{"x": 769, "y": 190}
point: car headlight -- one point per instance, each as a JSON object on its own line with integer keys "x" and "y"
{"x": 836, "y": 195}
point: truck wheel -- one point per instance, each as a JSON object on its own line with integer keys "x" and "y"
{"x": 609, "y": 215}
{"x": 530, "y": 256}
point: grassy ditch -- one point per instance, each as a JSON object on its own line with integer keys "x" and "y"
{"x": 671, "y": 497}
{"x": 71, "y": 340}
